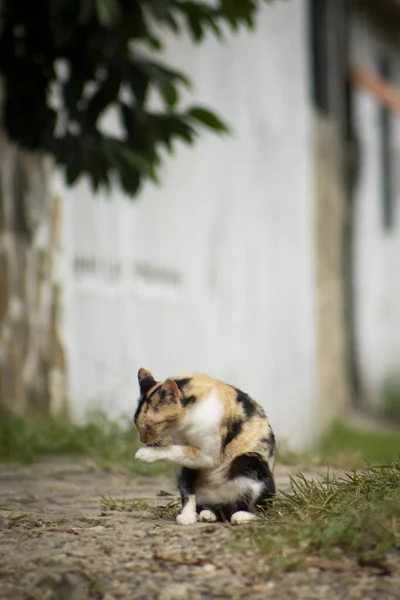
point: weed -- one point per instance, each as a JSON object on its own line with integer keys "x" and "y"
{"x": 109, "y": 444}
{"x": 112, "y": 444}
{"x": 97, "y": 587}
{"x": 371, "y": 446}
{"x": 109, "y": 503}
{"x": 61, "y": 520}
{"x": 353, "y": 516}
{"x": 391, "y": 398}
{"x": 93, "y": 522}
{"x": 160, "y": 511}
{"x": 26, "y": 521}
{"x": 166, "y": 511}
{"x": 345, "y": 446}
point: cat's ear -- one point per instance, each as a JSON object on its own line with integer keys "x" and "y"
{"x": 146, "y": 380}
{"x": 170, "y": 390}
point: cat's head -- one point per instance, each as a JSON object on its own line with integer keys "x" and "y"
{"x": 159, "y": 408}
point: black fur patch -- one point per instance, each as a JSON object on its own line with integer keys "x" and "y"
{"x": 224, "y": 512}
{"x": 141, "y": 401}
{"x": 270, "y": 443}
{"x": 152, "y": 393}
{"x": 182, "y": 383}
{"x": 145, "y": 397}
{"x": 249, "y": 406}
{"x": 186, "y": 483}
{"x": 146, "y": 384}
{"x": 234, "y": 431}
{"x": 251, "y": 465}
{"x": 188, "y": 400}
{"x": 267, "y": 493}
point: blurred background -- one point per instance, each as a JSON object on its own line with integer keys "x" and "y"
{"x": 245, "y": 225}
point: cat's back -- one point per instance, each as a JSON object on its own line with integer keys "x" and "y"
{"x": 197, "y": 387}
{"x": 239, "y": 421}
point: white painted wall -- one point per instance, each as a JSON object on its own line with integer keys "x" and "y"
{"x": 232, "y": 222}
{"x": 377, "y": 251}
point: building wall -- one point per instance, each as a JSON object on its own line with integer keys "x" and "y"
{"x": 377, "y": 248}
{"x": 33, "y": 376}
{"x": 214, "y": 270}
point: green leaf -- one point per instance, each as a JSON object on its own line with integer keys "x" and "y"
{"x": 239, "y": 11}
{"x": 94, "y": 37}
{"x": 120, "y": 153}
{"x": 208, "y": 118}
{"x": 86, "y": 12}
{"x": 164, "y": 79}
{"x": 73, "y": 159}
{"x": 95, "y": 161}
{"x": 108, "y": 12}
{"x": 167, "y": 127}
{"x": 72, "y": 91}
{"x": 106, "y": 94}
{"x": 199, "y": 16}
{"x": 138, "y": 82}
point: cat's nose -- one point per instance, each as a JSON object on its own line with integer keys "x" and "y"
{"x": 144, "y": 434}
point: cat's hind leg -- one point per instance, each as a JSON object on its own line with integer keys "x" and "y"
{"x": 252, "y": 473}
{"x": 242, "y": 516}
{"x": 207, "y": 516}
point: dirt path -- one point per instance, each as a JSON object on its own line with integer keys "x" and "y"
{"x": 58, "y": 543}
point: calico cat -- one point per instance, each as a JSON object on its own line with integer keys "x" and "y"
{"x": 222, "y": 443}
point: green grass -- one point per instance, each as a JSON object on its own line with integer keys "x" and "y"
{"x": 109, "y": 444}
{"x": 110, "y": 503}
{"x": 357, "y": 516}
{"x": 160, "y": 511}
{"x": 345, "y": 446}
{"x": 113, "y": 445}
{"x": 380, "y": 447}
{"x": 391, "y": 399}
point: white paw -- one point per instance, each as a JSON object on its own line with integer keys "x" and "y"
{"x": 147, "y": 455}
{"x": 207, "y": 516}
{"x": 186, "y": 519}
{"x": 242, "y": 516}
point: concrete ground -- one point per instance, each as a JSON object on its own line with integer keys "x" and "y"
{"x": 57, "y": 542}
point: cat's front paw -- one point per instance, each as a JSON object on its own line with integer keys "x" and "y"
{"x": 147, "y": 455}
{"x": 186, "y": 519}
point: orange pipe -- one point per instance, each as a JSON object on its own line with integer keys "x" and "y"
{"x": 386, "y": 93}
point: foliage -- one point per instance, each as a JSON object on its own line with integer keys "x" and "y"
{"x": 373, "y": 446}
{"x": 391, "y": 395}
{"x": 162, "y": 509}
{"x": 348, "y": 446}
{"x": 334, "y": 517}
{"x": 112, "y": 444}
{"x": 107, "y": 443}
{"x": 66, "y": 63}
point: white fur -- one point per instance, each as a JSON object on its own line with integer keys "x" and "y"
{"x": 207, "y": 516}
{"x": 147, "y": 455}
{"x": 225, "y": 492}
{"x": 188, "y": 513}
{"x": 201, "y": 423}
{"x": 199, "y": 429}
{"x": 176, "y": 455}
{"x": 242, "y": 516}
